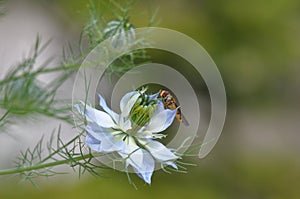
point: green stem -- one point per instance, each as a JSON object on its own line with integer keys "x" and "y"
{"x": 45, "y": 165}
{"x": 4, "y": 116}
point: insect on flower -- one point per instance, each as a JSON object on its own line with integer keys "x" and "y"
{"x": 170, "y": 103}
{"x": 134, "y": 134}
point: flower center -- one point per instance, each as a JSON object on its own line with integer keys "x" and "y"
{"x": 142, "y": 110}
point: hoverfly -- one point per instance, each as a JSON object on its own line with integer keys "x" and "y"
{"x": 170, "y": 103}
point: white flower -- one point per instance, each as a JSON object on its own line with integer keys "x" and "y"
{"x": 123, "y": 133}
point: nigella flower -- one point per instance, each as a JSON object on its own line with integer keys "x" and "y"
{"x": 132, "y": 133}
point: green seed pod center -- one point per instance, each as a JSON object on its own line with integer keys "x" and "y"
{"x": 142, "y": 110}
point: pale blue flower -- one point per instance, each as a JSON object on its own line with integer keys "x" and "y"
{"x": 109, "y": 132}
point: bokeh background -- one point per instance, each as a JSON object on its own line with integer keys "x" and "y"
{"x": 256, "y": 46}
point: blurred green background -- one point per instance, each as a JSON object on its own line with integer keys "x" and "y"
{"x": 256, "y": 46}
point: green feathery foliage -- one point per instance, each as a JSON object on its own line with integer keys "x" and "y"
{"x": 22, "y": 94}
{"x": 98, "y": 28}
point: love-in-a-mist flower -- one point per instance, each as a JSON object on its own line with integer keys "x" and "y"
{"x": 132, "y": 133}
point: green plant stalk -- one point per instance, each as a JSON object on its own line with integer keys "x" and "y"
{"x": 4, "y": 116}
{"x": 45, "y": 165}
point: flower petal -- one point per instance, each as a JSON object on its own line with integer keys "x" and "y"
{"x": 145, "y": 170}
{"x": 130, "y": 147}
{"x": 102, "y": 141}
{"x": 124, "y": 124}
{"x": 159, "y": 108}
{"x": 92, "y": 142}
{"x": 159, "y": 151}
{"x": 172, "y": 164}
{"x": 140, "y": 160}
{"x": 161, "y": 121}
{"x": 96, "y": 128}
{"x": 125, "y": 99}
{"x": 154, "y": 96}
{"x": 103, "y": 104}
{"x": 94, "y": 115}
{"x": 127, "y": 102}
